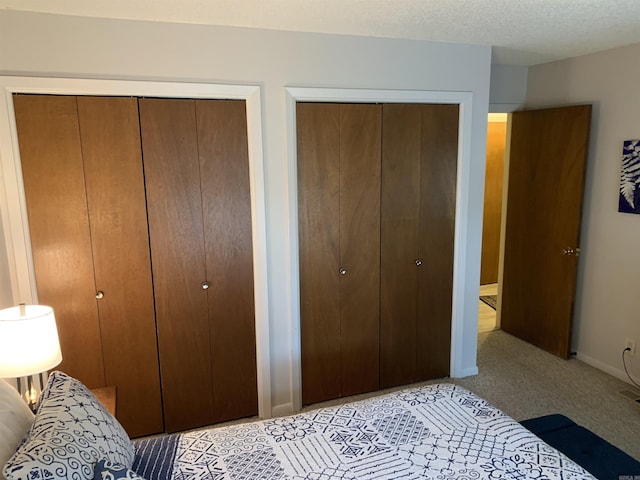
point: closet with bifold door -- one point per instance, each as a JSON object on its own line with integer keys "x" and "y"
{"x": 376, "y": 212}
{"x": 419, "y": 167}
{"x": 197, "y": 175}
{"x": 140, "y": 225}
{"x": 84, "y": 189}
{"x": 339, "y": 227}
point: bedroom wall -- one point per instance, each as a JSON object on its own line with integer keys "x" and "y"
{"x": 607, "y": 309}
{"x": 65, "y": 46}
{"x": 508, "y": 88}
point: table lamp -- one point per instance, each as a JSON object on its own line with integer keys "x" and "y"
{"x": 29, "y": 344}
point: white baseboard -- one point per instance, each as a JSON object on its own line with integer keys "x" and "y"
{"x": 467, "y": 372}
{"x": 282, "y": 410}
{"x": 613, "y": 371}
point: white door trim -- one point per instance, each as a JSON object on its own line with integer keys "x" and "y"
{"x": 13, "y": 206}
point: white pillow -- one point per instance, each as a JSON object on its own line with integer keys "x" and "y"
{"x": 15, "y": 420}
{"x": 71, "y": 432}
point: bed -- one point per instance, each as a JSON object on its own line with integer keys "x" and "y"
{"x": 439, "y": 431}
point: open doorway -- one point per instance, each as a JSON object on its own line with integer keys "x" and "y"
{"x": 545, "y": 154}
{"x": 488, "y": 319}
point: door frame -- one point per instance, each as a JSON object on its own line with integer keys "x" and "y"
{"x": 465, "y": 102}
{"x": 13, "y": 204}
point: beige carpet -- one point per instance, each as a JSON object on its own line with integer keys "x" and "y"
{"x": 526, "y": 382}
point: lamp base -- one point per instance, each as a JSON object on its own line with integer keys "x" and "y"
{"x": 31, "y": 395}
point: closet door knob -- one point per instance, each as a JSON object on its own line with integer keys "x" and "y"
{"x": 418, "y": 262}
{"x": 343, "y": 271}
{"x": 205, "y": 285}
{"x": 99, "y": 294}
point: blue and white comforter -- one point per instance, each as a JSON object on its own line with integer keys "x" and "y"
{"x": 438, "y": 432}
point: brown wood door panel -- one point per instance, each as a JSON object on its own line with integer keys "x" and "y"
{"x": 171, "y": 167}
{"x": 437, "y": 234}
{"x": 318, "y": 164}
{"x": 224, "y": 170}
{"x": 52, "y": 170}
{"x": 399, "y": 223}
{"x": 548, "y": 152}
{"x": 360, "y": 157}
{"x": 110, "y": 136}
{"x": 493, "y": 191}
{"x": 397, "y": 181}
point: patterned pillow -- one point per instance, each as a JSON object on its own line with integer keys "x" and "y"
{"x": 105, "y": 470}
{"x": 72, "y": 431}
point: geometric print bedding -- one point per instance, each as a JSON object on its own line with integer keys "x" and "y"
{"x": 438, "y": 431}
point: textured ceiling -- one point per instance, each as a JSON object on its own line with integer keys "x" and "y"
{"x": 522, "y": 32}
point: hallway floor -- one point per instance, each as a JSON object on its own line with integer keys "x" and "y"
{"x": 486, "y": 314}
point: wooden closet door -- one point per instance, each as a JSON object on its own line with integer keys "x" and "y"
{"x": 360, "y": 152}
{"x": 224, "y": 171}
{"x": 437, "y": 232}
{"x": 400, "y": 219}
{"x": 318, "y": 138}
{"x": 171, "y": 166}
{"x": 110, "y": 136}
{"x": 339, "y": 233}
{"x": 52, "y": 170}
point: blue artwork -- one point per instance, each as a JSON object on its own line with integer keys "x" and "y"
{"x": 630, "y": 178}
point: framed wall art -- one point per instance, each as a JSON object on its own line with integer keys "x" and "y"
{"x": 629, "y": 201}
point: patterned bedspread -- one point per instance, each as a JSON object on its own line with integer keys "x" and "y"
{"x": 438, "y": 432}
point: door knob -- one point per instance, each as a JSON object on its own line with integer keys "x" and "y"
{"x": 205, "y": 285}
{"x": 418, "y": 262}
{"x": 99, "y": 294}
{"x": 568, "y": 251}
{"x": 343, "y": 271}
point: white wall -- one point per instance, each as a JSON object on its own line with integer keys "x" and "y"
{"x": 608, "y": 298}
{"x": 50, "y": 45}
{"x": 508, "y": 88}
{"x": 6, "y": 290}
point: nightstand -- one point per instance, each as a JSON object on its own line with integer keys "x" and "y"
{"x": 107, "y": 397}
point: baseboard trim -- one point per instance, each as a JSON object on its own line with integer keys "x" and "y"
{"x": 467, "y": 372}
{"x": 615, "y": 372}
{"x": 282, "y": 410}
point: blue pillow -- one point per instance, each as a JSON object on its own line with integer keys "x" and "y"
{"x": 105, "y": 470}
{"x": 71, "y": 432}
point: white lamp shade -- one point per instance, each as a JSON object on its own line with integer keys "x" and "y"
{"x": 29, "y": 342}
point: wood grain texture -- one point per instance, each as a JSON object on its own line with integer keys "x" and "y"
{"x": 112, "y": 155}
{"x": 437, "y": 234}
{"x": 399, "y": 224}
{"x": 52, "y": 169}
{"x": 548, "y": 153}
{"x": 491, "y": 223}
{"x": 397, "y": 184}
{"x": 318, "y": 138}
{"x": 360, "y": 157}
{"x": 224, "y": 172}
{"x": 171, "y": 166}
